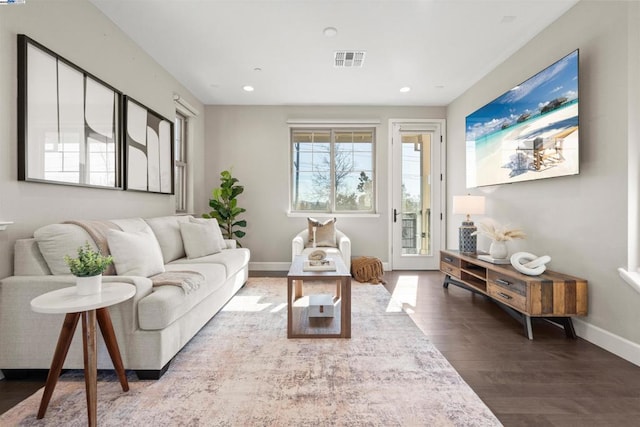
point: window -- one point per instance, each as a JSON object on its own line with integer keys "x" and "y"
{"x": 180, "y": 155}
{"x": 332, "y": 170}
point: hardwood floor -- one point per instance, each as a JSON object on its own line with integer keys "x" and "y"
{"x": 550, "y": 381}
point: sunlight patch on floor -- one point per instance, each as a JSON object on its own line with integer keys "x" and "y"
{"x": 404, "y": 295}
{"x": 279, "y": 307}
{"x": 245, "y": 303}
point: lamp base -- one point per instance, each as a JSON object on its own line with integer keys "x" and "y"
{"x": 467, "y": 243}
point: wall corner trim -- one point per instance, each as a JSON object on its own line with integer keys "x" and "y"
{"x": 631, "y": 278}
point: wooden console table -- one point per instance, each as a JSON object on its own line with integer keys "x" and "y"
{"x": 553, "y": 296}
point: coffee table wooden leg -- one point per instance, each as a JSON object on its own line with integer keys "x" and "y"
{"x": 106, "y": 327}
{"x": 298, "y": 286}
{"x": 346, "y": 307}
{"x": 289, "y": 308}
{"x": 62, "y": 348}
{"x": 90, "y": 364}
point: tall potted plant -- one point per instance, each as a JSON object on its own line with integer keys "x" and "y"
{"x": 225, "y": 207}
{"x": 88, "y": 268}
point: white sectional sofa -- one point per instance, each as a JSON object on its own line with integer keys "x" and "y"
{"x": 151, "y": 328}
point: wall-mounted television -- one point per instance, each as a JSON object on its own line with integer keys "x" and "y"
{"x": 529, "y": 132}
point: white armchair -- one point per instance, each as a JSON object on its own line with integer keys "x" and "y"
{"x": 342, "y": 241}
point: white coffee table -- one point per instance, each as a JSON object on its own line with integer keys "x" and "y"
{"x": 92, "y": 308}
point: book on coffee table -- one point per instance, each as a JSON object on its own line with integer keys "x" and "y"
{"x": 319, "y": 265}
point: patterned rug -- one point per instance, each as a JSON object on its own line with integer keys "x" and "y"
{"x": 241, "y": 370}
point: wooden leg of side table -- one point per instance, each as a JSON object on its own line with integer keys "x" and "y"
{"x": 106, "y": 327}
{"x": 90, "y": 364}
{"x": 62, "y": 348}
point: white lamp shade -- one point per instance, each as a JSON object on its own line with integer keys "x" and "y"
{"x": 468, "y": 205}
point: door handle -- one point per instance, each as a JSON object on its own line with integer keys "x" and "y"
{"x": 395, "y": 215}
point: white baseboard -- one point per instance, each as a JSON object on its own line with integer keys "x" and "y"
{"x": 615, "y": 344}
{"x": 269, "y": 266}
{"x": 284, "y": 266}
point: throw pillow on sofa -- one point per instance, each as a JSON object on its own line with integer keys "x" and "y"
{"x": 199, "y": 239}
{"x": 216, "y": 228}
{"x": 135, "y": 253}
{"x": 57, "y": 240}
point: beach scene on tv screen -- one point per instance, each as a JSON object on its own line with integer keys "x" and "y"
{"x": 530, "y": 132}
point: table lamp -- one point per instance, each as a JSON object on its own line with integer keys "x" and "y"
{"x": 468, "y": 205}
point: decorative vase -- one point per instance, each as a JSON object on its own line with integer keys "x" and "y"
{"x": 89, "y": 285}
{"x": 498, "y": 249}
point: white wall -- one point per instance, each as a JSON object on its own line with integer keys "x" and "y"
{"x": 255, "y": 142}
{"x": 76, "y": 30}
{"x": 580, "y": 221}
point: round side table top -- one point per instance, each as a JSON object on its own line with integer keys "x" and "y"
{"x": 66, "y": 300}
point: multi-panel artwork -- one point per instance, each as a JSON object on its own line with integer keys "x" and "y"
{"x": 68, "y": 121}
{"x": 149, "y": 149}
{"x": 75, "y": 129}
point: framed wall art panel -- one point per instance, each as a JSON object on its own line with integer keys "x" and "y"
{"x": 68, "y": 122}
{"x": 149, "y": 149}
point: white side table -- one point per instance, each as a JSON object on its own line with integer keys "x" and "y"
{"x": 92, "y": 308}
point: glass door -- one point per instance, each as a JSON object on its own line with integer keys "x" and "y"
{"x": 416, "y": 195}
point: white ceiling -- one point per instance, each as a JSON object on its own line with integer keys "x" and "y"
{"x": 439, "y": 48}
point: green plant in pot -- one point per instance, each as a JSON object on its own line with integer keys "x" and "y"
{"x": 88, "y": 268}
{"x": 224, "y": 203}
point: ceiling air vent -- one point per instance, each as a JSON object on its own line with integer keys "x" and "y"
{"x": 349, "y": 59}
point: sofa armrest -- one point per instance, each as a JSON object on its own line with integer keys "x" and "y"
{"x": 297, "y": 244}
{"x": 344, "y": 244}
{"x": 230, "y": 244}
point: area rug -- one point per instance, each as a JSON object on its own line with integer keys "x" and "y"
{"x": 241, "y": 370}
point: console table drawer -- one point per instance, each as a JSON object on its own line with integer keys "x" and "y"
{"x": 449, "y": 269}
{"x": 508, "y": 283}
{"x": 451, "y": 260}
{"x": 508, "y": 297}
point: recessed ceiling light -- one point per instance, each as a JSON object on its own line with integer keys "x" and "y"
{"x": 257, "y": 69}
{"x": 405, "y": 89}
{"x": 247, "y": 88}
{"x": 330, "y": 31}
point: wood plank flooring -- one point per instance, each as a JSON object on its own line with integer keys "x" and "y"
{"x": 550, "y": 381}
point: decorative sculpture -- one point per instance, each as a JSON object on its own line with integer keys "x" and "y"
{"x": 529, "y": 264}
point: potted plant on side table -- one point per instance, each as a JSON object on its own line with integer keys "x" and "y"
{"x": 88, "y": 268}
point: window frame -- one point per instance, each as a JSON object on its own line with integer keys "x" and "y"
{"x": 333, "y": 128}
{"x": 181, "y": 198}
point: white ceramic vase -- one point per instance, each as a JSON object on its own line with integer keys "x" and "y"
{"x": 89, "y": 285}
{"x": 498, "y": 249}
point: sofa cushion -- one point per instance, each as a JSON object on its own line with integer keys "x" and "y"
{"x": 166, "y": 304}
{"x": 28, "y": 260}
{"x": 167, "y": 231}
{"x": 57, "y": 240}
{"x": 135, "y": 253}
{"x": 130, "y": 224}
{"x": 325, "y": 232}
{"x": 199, "y": 239}
{"x": 216, "y": 228}
{"x": 232, "y": 259}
